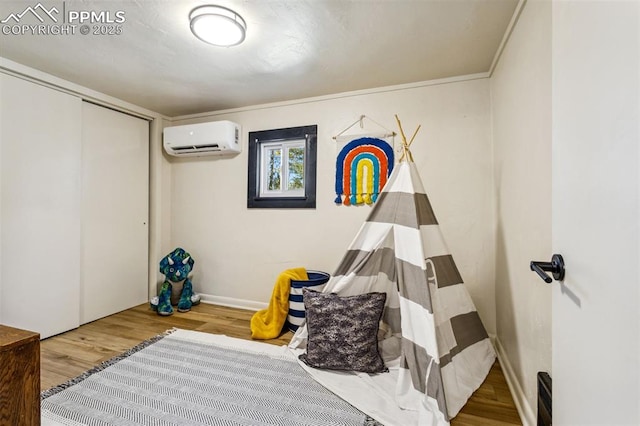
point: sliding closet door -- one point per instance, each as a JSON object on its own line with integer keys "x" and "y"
{"x": 115, "y": 211}
{"x": 40, "y": 202}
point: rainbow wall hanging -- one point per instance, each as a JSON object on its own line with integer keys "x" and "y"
{"x": 362, "y": 168}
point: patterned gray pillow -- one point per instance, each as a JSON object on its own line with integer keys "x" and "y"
{"x": 343, "y": 331}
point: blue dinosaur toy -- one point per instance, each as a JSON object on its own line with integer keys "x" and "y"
{"x": 177, "y": 288}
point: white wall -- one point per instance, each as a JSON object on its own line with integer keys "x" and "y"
{"x": 159, "y": 204}
{"x": 521, "y": 105}
{"x": 239, "y": 252}
{"x": 1, "y": 143}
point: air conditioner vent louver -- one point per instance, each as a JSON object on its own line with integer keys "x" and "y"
{"x": 194, "y": 140}
{"x": 214, "y": 147}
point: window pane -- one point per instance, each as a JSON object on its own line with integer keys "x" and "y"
{"x": 296, "y": 168}
{"x": 274, "y": 162}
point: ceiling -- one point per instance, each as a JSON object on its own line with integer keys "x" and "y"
{"x": 293, "y": 49}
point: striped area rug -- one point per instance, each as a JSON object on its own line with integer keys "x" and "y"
{"x": 182, "y": 380}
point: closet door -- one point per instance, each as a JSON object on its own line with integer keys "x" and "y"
{"x": 39, "y": 207}
{"x": 115, "y": 211}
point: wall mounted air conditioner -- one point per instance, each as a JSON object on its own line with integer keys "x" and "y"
{"x": 197, "y": 140}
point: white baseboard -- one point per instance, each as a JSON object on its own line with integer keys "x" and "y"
{"x": 527, "y": 415}
{"x": 249, "y": 305}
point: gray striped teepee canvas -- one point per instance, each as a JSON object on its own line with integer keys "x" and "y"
{"x": 429, "y": 320}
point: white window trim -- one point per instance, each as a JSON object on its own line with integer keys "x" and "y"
{"x": 284, "y": 147}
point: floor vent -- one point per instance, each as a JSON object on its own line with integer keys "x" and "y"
{"x": 544, "y": 399}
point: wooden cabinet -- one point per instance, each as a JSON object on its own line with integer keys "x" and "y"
{"x": 19, "y": 377}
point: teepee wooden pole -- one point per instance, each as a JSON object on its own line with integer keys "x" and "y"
{"x": 414, "y": 134}
{"x": 405, "y": 146}
{"x": 404, "y": 138}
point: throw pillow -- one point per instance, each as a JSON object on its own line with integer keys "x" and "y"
{"x": 343, "y": 331}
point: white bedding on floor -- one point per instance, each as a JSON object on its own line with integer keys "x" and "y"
{"x": 374, "y": 394}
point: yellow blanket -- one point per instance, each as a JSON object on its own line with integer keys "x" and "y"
{"x": 268, "y": 323}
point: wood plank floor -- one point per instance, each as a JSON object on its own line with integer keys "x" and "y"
{"x": 69, "y": 354}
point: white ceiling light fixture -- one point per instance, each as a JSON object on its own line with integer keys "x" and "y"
{"x": 217, "y": 25}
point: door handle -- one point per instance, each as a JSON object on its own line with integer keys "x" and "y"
{"x": 556, "y": 267}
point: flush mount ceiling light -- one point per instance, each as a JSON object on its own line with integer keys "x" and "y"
{"x": 217, "y": 25}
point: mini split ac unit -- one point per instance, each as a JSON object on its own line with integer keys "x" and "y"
{"x": 197, "y": 140}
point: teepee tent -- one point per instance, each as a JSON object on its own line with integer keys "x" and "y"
{"x": 429, "y": 320}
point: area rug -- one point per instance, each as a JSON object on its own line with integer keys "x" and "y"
{"x": 191, "y": 378}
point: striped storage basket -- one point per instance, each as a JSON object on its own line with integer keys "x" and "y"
{"x": 316, "y": 281}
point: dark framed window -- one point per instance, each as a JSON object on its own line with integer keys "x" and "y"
{"x": 282, "y": 168}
